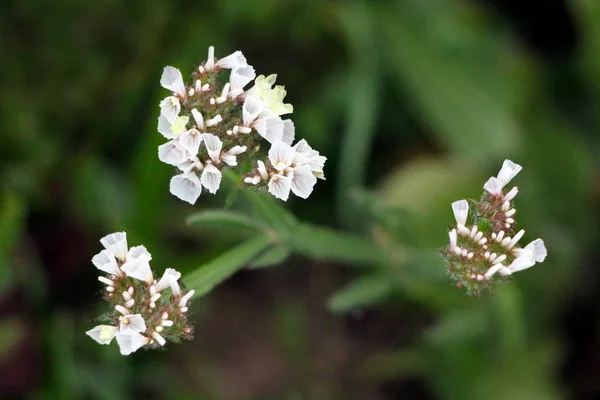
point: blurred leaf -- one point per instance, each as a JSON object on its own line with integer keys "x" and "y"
{"x": 462, "y": 112}
{"x": 227, "y": 221}
{"x": 327, "y": 244}
{"x": 207, "y": 276}
{"x": 363, "y": 292}
{"x": 393, "y": 365}
{"x": 272, "y": 257}
{"x": 362, "y": 93}
{"x": 12, "y": 218}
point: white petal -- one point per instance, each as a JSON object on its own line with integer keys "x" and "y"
{"x": 164, "y": 127}
{"x": 269, "y": 126}
{"x": 130, "y": 341}
{"x": 234, "y": 60}
{"x": 213, "y": 146}
{"x": 137, "y": 252}
{"x": 240, "y": 77}
{"x": 493, "y": 186}
{"x": 134, "y": 322}
{"x": 538, "y": 250}
{"x": 172, "y": 80}
{"x": 116, "y": 243}
{"x": 289, "y": 132}
{"x": 452, "y": 236}
{"x": 170, "y": 108}
{"x": 303, "y": 181}
{"x": 229, "y": 159}
{"x": 522, "y": 262}
{"x": 102, "y": 334}
{"x": 186, "y": 187}
{"x": 198, "y": 118}
{"x": 508, "y": 171}
{"x": 237, "y": 150}
{"x": 253, "y": 106}
{"x": 303, "y": 147}
{"x": 139, "y": 268}
{"x": 172, "y": 153}
{"x": 105, "y": 261}
{"x": 169, "y": 276}
{"x": 279, "y": 186}
{"x": 281, "y": 155}
{"x": 191, "y": 141}
{"x": 460, "y": 209}
{"x": 262, "y": 170}
{"x": 211, "y": 178}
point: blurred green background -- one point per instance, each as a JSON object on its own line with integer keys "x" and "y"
{"x": 415, "y": 103}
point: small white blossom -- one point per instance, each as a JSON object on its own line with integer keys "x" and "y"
{"x": 103, "y": 334}
{"x": 186, "y": 187}
{"x": 172, "y": 80}
{"x": 300, "y": 180}
{"x": 198, "y": 119}
{"x": 306, "y": 155}
{"x": 534, "y": 252}
{"x": 509, "y": 170}
{"x": 169, "y": 279}
{"x": 105, "y": 261}
{"x": 255, "y": 115}
{"x": 460, "y": 209}
{"x": 138, "y": 265}
{"x": 190, "y": 141}
{"x": 172, "y": 130}
{"x": 211, "y": 178}
{"x": 133, "y": 322}
{"x": 170, "y": 108}
{"x": 116, "y": 243}
{"x": 172, "y": 153}
{"x": 272, "y": 97}
{"x": 213, "y": 145}
{"x": 238, "y": 79}
{"x": 232, "y": 61}
{"x": 130, "y": 341}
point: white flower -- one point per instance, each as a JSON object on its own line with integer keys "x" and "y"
{"x": 172, "y": 153}
{"x": 102, "y": 334}
{"x": 238, "y": 79}
{"x": 186, "y": 187}
{"x": 172, "y": 80}
{"x": 105, "y": 261}
{"x": 534, "y": 252}
{"x": 232, "y": 61}
{"x": 138, "y": 264}
{"x": 460, "y": 209}
{"x": 170, "y": 108}
{"x": 306, "y": 155}
{"x": 134, "y": 322}
{"x": 171, "y": 130}
{"x": 116, "y": 243}
{"x": 211, "y": 178}
{"x": 509, "y": 170}
{"x": 169, "y": 279}
{"x": 303, "y": 181}
{"x": 265, "y": 122}
{"x": 213, "y": 146}
{"x": 130, "y": 341}
{"x": 191, "y": 140}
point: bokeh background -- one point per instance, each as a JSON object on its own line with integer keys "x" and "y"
{"x": 415, "y": 103}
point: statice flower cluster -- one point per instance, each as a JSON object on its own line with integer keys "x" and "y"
{"x": 142, "y": 311}
{"x": 483, "y": 248}
{"x": 213, "y": 123}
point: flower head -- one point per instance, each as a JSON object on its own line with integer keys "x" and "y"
{"x": 138, "y": 310}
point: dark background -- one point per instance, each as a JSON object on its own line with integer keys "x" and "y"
{"x": 417, "y": 102}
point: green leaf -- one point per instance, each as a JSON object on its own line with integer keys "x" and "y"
{"x": 324, "y": 243}
{"x": 363, "y": 81}
{"x": 207, "y": 276}
{"x": 365, "y": 291}
{"x": 228, "y": 221}
{"x": 271, "y": 258}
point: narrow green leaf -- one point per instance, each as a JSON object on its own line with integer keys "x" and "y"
{"x": 271, "y": 258}
{"x": 229, "y": 221}
{"x": 363, "y": 292}
{"x": 207, "y": 276}
{"x": 324, "y": 243}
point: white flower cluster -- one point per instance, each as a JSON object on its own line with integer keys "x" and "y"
{"x": 141, "y": 314}
{"x": 488, "y": 245}
{"x": 210, "y": 125}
